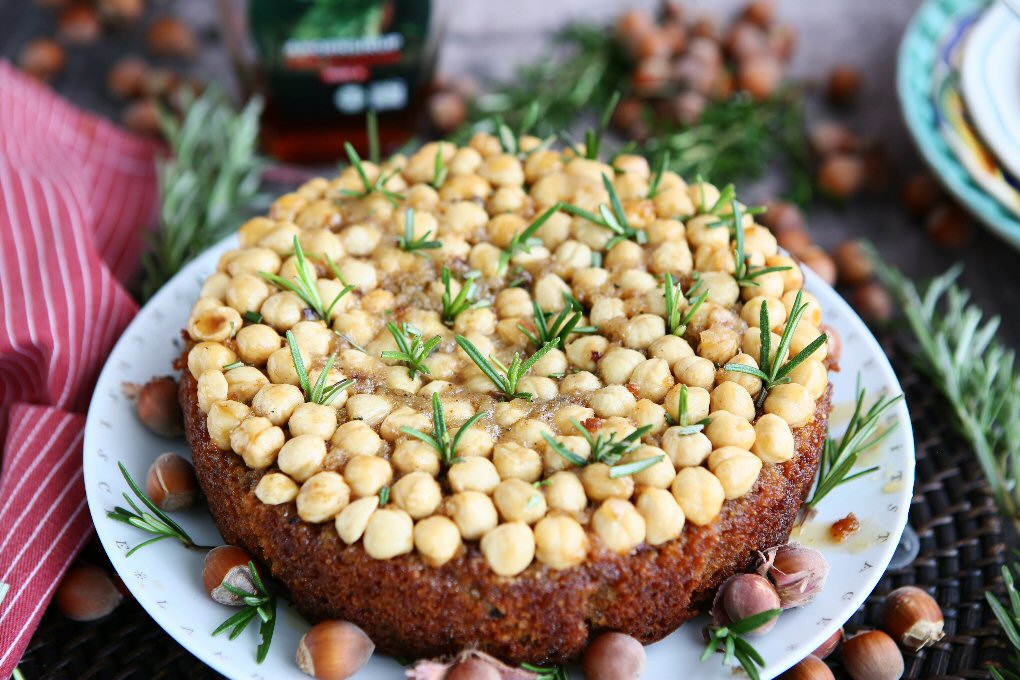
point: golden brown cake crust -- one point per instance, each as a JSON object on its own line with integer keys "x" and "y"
{"x": 541, "y": 616}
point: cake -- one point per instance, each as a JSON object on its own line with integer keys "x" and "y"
{"x": 506, "y": 397}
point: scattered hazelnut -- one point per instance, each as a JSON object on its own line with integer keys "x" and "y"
{"x": 87, "y": 593}
{"x": 43, "y": 58}
{"x": 913, "y": 618}
{"x": 687, "y": 107}
{"x": 127, "y": 77}
{"x": 79, "y": 25}
{"x": 841, "y": 175}
{"x": 473, "y": 669}
{"x": 613, "y": 656}
{"x": 783, "y": 216}
{"x": 852, "y": 263}
{"x": 744, "y": 595}
{"x": 819, "y": 262}
{"x": 142, "y": 116}
{"x": 798, "y": 572}
{"x": 158, "y": 407}
{"x": 447, "y": 110}
{"x": 334, "y": 650}
{"x": 794, "y": 240}
{"x": 628, "y": 114}
{"x": 873, "y": 302}
{"x": 829, "y": 646}
{"x": 830, "y": 138}
{"x": 170, "y": 37}
{"x": 811, "y": 668}
{"x": 949, "y": 226}
{"x": 872, "y": 656}
{"x": 760, "y": 75}
{"x": 844, "y": 85}
{"x": 632, "y": 25}
{"x": 121, "y": 12}
{"x": 761, "y": 12}
{"x": 227, "y": 565}
{"x": 921, "y": 193}
{"x": 835, "y": 342}
{"x": 171, "y": 483}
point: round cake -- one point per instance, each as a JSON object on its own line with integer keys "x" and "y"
{"x": 506, "y": 397}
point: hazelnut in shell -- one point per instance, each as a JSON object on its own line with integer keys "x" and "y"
{"x": 334, "y": 650}
{"x": 873, "y": 302}
{"x": 127, "y": 77}
{"x": 841, "y": 175}
{"x": 844, "y": 84}
{"x": 913, "y": 618}
{"x": 744, "y": 595}
{"x": 872, "y": 656}
{"x": 158, "y": 407}
{"x": 829, "y": 646}
{"x": 852, "y": 263}
{"x": 79, "y": 24}
{"x": 171, "y": 483}
{"x": 168, "y": 36}
{"x": 227, "y": 565}
{"x": 614, "y": 656}
{"x": 42, "y": 58}
{"x": 811, "y": 668}
{"x": 87, "y": 593}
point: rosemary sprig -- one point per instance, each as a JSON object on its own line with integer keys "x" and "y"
{"x": 745, "y": 273}
{"x": 506, "y": 378}
{"x": 465, "y": 299}
{"x": 439, "y": 171}
{"x": 677, "y": 321}
{"x": 253, "y": 317}
{"x": 372, "y": 132}
{"x": 413, "y": 349}
{"x": 440, "y": 439}
{"x": 730, "y": 640}
{"x": 211, "y": 175}
{"x": 550, "y": 673}
{"x": 1008, "y": 615}
{"x": 593, "y": 136}
{"x": 523, "y": 240}
{"x": 957, "y": 346}
{"x": 773, "y": 370}
{"x": 154, "y": 521}
{"x": 304, "y": 286}
{"x": 319, "y": 393}
{"x": 384, "y": 496}
{"x": 262, "y": 604}
{"x": 683, "y": 418}
{"x": 840, "y": 457}
{"x": 612, "y": 217}
{"x": 369, "y": 187}
{"x": 608, "y": 450}
{"x": 562, "y": 326}
{"x": 660, "y": 169}
{"x": 411, "y": 244}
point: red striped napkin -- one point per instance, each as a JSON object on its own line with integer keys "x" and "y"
{"x": 74, "y": 194}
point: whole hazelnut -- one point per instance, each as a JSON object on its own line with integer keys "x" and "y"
{"x": 121, "y": 12}
{"x": 873, "y": 302}
{"x": 852, "y": 263}
{"x": 142, "y": 116}
{"x": 844, "y": 84}
{"x": 688, "y": 106}
{"x": 780, "y": 216}
{"x": 794, "y": 241}
{"x": 829, "y": 646}
{"x": 227, "y": 565}
{"x": 614, "y": 656}
{"x": 872, "y": 656}
{"x": 913, "y": 618}
{"x": 921, "y": 193}
{"x": 87, "y": 593}
{"x": 811, "y": 668}
{"x": 829, "y": 138}
{"x": 745, "y": 39}
{"x": 841, "y": 175}
{"x": 42, "y": 58}
{"x": 627, "y": 113}
{"x": 632, "y": 25}
{"x": 158, "y": 407}
{"x": 759, "y": 74}
{"x": 761, "y": 12}
{"x": 79, "y": 25}
{"x": 949, "y": 226}
{"x": 168, "y": 36}
{"x": 447, "y": 110}
{"x": 171, "y": 483}
{"x": 651, "y": 75}
{"x": 473, "y": 669}
{"x": 654, "y": 43}
{"x": 818, "y": 261}
{"x": 334, "y": 650}
{"x": 127, "y": 77}
{"x": 744, "y": 595}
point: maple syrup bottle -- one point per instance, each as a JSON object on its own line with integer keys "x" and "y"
{"x": 321, "y": 65}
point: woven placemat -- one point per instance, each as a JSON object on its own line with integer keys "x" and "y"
{"x": 961, "y": 554}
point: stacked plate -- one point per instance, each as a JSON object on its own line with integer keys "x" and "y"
{"x": 959, "y": 87}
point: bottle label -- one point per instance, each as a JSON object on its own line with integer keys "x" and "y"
{"x": 321, "y": 57}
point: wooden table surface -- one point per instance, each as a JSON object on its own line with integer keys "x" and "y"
{"x": 487, "y": 39}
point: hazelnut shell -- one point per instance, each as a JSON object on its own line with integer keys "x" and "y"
{"x": 334, "y": 650}
{"x": 171, "y": 483}
{"x": 913, "y": 618}
{"x": 872, "y": 656}
{"x": 87, "y": 593}
{"x": 227, "y": 564}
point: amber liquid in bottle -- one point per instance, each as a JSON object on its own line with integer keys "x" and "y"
{"x": 322, "y": 65}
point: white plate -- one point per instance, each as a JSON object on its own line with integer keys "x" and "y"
{"x": 991, "y": 83}
{"x": 166, "y": 580}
